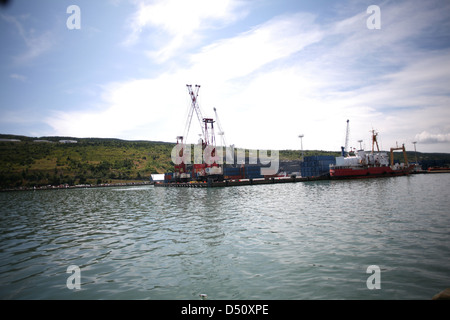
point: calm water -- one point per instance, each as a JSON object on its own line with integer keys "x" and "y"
{"x": 311, "y": 240}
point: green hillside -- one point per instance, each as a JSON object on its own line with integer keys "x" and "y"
{"x": 29, "y": 162}
{"x": 47, "y": 161}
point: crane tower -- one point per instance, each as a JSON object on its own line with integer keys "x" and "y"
{"x": 347, "y": 134}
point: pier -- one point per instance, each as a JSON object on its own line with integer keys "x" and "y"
{"x": 239, "y": 182}
{"x": 271, "y": 180}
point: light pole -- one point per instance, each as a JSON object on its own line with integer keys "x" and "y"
{"x": 415, "y": 152}
{"x": 301, "y": 141}
{"x": 360, "y": 146}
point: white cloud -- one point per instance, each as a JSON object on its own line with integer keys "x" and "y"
{"x": 239, "y": 56}
{"x": 36, "y": 43}
{"x": 19, "y": 77}
{"x": 124, "y": 107}
{"x": 171, "y": 25}
{"x": 430, "y": 138}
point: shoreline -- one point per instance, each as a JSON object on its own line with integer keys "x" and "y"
{"x": 79, "y": 186}
{"x": 230, "y": 183}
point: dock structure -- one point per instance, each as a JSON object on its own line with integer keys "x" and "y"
{"x": 240, "y": 182}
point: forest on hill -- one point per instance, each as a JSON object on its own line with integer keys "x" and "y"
{"x": 28, "y": 162}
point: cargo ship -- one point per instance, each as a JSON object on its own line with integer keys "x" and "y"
{"x": 362, "y": 164}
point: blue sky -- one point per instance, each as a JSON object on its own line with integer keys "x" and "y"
{"x": 272, "y": 69}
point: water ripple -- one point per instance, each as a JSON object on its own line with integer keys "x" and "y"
{"x": 291, "y": 241}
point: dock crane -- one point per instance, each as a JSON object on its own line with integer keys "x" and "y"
{"x": 405, "y": 157}
{"x": 229, "y": 151}
{"x": 200, "y": 171}
{"x": 181, "y": 173}
{"x": 345, "y": 148}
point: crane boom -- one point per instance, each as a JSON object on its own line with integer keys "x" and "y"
{"x": 194, "y": 107}
{"x": 221, "y": 132}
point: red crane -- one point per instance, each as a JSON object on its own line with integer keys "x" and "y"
{"x": 201, "y": 171}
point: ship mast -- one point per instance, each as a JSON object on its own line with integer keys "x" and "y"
{"x": 374, "y": 140}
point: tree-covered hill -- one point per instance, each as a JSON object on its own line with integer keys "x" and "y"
{"x": 26, "y": 161}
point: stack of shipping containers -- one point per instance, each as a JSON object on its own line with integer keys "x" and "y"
{"x": 242, "y": 172}
{"x": 315, "y": 166}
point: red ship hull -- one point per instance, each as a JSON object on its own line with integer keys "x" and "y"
{"x": 367, "y": 172}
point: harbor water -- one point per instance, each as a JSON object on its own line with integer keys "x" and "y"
{"x": 304, "y": 240}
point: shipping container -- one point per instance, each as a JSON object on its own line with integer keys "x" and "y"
{"x": 316, "y": 165}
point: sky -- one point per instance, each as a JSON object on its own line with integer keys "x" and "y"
{"x": 273, "y": 70}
